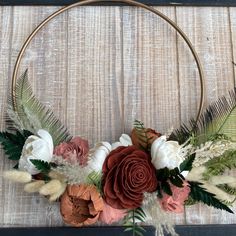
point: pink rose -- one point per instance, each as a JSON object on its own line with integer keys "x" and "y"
{"x": 175, "y": 203}
{"x": 110, "y": 215}
{"x": 73, "y": 151}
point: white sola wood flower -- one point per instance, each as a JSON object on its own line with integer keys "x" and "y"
{"x": 166, "y": 153}
{"x": 99, "y": 153}
{"x": 36, "y": 148}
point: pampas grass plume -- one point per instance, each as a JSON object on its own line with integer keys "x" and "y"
{"x": 17, "y": 176}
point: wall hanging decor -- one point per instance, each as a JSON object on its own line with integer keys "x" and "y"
{"x": 139, "y": 180}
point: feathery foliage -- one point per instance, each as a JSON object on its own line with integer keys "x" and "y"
{"x": 218, "y": 165}
{"x": 226, "y": 188}
{"x": 130, "y": 221}
{"x": 13, "y": 143}
{"x": 198, "y": 193}
{"x": 33, "y": 115}
{"x": 219, "y": 118}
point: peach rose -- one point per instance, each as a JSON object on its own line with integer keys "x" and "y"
{"x": 111, "y": 215}
{"x": 81, "y": 205}
{"x": 175, "y": 203}
{"x": 74, "y": 151}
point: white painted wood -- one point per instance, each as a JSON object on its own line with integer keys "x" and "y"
{"x": 100, "y": 68}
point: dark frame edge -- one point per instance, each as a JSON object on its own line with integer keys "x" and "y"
{"x": 205, "y": 3}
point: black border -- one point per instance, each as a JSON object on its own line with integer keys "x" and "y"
{"x": 148, "y": 2}
{"x": 182, "y": 230}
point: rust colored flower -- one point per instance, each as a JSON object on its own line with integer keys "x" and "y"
{"x": 127, "y": 174}
{"x": 74, "y": 151}
{"x": 81, "y": 205}
{"x": 144, "y": 138}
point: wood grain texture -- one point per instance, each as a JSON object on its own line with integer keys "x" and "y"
{"x": 100, "y": 68}
{"x": 209, "y": 30}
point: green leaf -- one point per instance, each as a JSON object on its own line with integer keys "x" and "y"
{"x": 95, "y": 178}
{"x": 13, "y": 143}
{"x": 166, "y": 188}
{"x": 226, "y": 188}
{"x": 186, "y": 165}
{"x": 43, "y": 166}
{"x": 130, "y": 221}
{"x": 198, "y": 193}
{"x": 218, "y": 165}
{"x": 219, "y": 118}
{"x": 33, "y": 115}
{"x": 163, "y": 174}
{"x": 177, "y": 181}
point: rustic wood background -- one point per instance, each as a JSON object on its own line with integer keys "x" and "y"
{"x": 99, "y": 68}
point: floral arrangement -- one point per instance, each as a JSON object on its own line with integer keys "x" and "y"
{"x": 142, "y": 178}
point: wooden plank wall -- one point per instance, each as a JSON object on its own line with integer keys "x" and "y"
{"x": 99, "y": 68}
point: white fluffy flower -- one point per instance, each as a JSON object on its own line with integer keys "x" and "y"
{"x": 166, "y": 153}
{"x": 38, "y": 148}
{"x": 124, "y": 140}
{"x": 99, "y": 153}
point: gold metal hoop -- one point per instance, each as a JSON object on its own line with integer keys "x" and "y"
{"x": 128, "y": 2}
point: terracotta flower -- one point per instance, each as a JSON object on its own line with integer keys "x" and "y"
{"x": 175, "y": 203}
{"x": 74, "y": 151}
{"x": 127, "y": 174}
{"x": 81, "y": 205}
{"x": 111, "y": 215}
{"x": 139, "y": 142}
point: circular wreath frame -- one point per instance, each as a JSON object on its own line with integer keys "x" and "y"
{"x": 127, "y": 2}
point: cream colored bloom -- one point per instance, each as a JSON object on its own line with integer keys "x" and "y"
{"x": 99, "y": 153}
{"x": 124, "y": 140}
{"x": 165, "y": 153}
{"x": 38, "y": 148}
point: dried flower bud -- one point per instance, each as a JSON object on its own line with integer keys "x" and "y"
{"x": 17, "y": 176}
{"x": 57, "y": 175}
{"x": 51, "y": 187}
{"x": 34, "y": 187}
{"x": 53, "y": 197}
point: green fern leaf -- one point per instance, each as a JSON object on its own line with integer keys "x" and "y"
{"x": 219, "y": 118}
{"x": 13, "y": 143}
{"x": 43, "y": 166}
{"x": 130, "y": 221}
{"x": 186, "y": 165}
{"x": 227, "y": 189}
{"x": 33, "y": 115}
{"x": 95, "y": 178}
{"x": 218, "y": 165}
{"x": 198, "y": 193}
